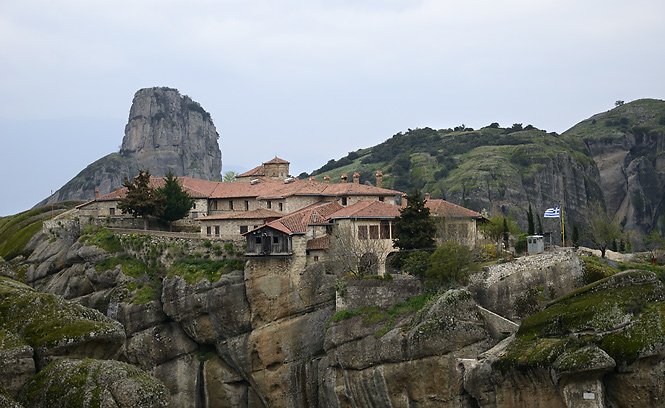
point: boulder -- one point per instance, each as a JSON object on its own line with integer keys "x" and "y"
{"x": 85, "y": 383}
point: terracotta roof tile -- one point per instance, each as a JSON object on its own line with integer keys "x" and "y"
{"x": 277, "y": 160}
{"x": 319, "y": 243}
{"x": 256, "y": 171}
{"x": 368, "y": 209}
{"x": 194, "y": 187}
{"x": 297, "y": 222}
{"x": 442, "y": 208}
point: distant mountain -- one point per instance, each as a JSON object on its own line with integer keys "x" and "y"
{"x": 166, "y": 131}
{"x": 614, "y": 157}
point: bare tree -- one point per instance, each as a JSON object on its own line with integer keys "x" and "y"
{"x": 601, "y": 229}
{"x": 360, "y": 255}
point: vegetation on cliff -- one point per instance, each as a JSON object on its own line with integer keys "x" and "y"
{"x": 16, "y": 230}
{"x": 624, "y": 315}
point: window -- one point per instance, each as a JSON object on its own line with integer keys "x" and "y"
{"x": 216, "y": 229}
{"x": 194, "y": 206}
{"x": 275, "y": 240}
{"x": 269, "y": 204}
{"x": 257, "y": 240}
{"x": 381, "y": 199}
{"x": 316, "y": 258}
{"x": 243, "y": 229}
{"x": 343, "y": 200}
{"x": 213, "y": 205}
{"x": 374, "y": 232}
{"x": 362, "y": 232}
{"x": 385, "y": 230}
{"x": 112, "y": 211}
{"x": 246, "y": 205}
{"x": 281, "y": 206}
{"x": 230, "y": 204}
{"x": 208, "y": 230}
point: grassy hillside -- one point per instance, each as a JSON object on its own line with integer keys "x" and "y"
{"x": 450, "y": 160}
{"x": 16, "y": 230}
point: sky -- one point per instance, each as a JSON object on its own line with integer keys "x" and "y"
{"x": 307, "y": 81}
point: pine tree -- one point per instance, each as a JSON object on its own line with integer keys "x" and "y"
{"x": 141, "y": 200}
{"x": 177, "y": 202}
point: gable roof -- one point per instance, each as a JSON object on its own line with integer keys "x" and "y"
{"x": 256, "y": 171}
{"x": 261, "y": 170}
{"x": 368, "y": 209}
{"x": 442, "y": 208}
{"x": 297, "y": 222}
{"x": 318, "y": 243}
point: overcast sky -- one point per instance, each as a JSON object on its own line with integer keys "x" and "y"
{"x": 307, "y": 80}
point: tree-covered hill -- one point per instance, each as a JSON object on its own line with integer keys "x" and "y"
{"x": 503, "y": 170}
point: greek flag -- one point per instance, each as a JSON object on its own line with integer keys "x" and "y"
{"x": 553, "y": 212}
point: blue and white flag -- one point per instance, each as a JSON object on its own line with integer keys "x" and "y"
{"x": 553, "y": 212}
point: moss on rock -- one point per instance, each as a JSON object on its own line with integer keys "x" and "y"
{"x": 56, "y": 327}
{"x": 93, "y": 383}
{"x": 624, "y": 315}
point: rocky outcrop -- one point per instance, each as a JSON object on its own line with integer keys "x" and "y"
{"x": 166, "y": 132}
{"x": 281, "y": 333}
{"x": 626, "y": 144}
{"x": 584, "y": 350}
{"x": 93, "y": 383}
{"x": 523, "y": 287}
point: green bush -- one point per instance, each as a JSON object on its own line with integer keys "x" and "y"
{"x": 104, "y": 239}
{"x": 452, "y": 262}
{"x": 193, "y": 270}
{"x": 521, "y": 244}
{"x": 416, "y": 263}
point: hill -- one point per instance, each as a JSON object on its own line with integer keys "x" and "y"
{"x": 613, "y": 157}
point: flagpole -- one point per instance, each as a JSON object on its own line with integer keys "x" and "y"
{"x": 563, "y": 230}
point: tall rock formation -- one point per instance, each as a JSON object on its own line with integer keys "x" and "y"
{"x": 166, "y": 131}
{"x": 627, "y": 144}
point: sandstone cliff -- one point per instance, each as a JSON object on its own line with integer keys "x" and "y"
{"x": 166, "y": 131}
{"x": 268, "y": 334}
{"x": 627, "y": 145}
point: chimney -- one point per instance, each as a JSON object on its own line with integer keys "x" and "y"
{"x": 326, "y": 179}
{"x": 426, "y": 196}
{"x": 96, "y": 194}
{"x": 344, "y": 178}
{"x": 356, "y": 178}
{"x": 379, "y": 178}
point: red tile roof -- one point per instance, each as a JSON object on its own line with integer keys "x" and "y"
{"x": 256, "y": 171}
{"x": 277, "y": 160}
{"x": 297, "y": 222}
{"x": 261, "y": 170}
{"x": 442, "y": 208}
{"x": 319, "y": 243}
{"x": 276, "y": 189}
{"x": 368, "y": 209}
{"x": 194, "y": 187}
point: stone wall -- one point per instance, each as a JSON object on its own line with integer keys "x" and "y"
{"x": 377, "y": 292}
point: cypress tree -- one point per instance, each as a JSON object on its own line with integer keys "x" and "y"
{"x": 531, "y": 229}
